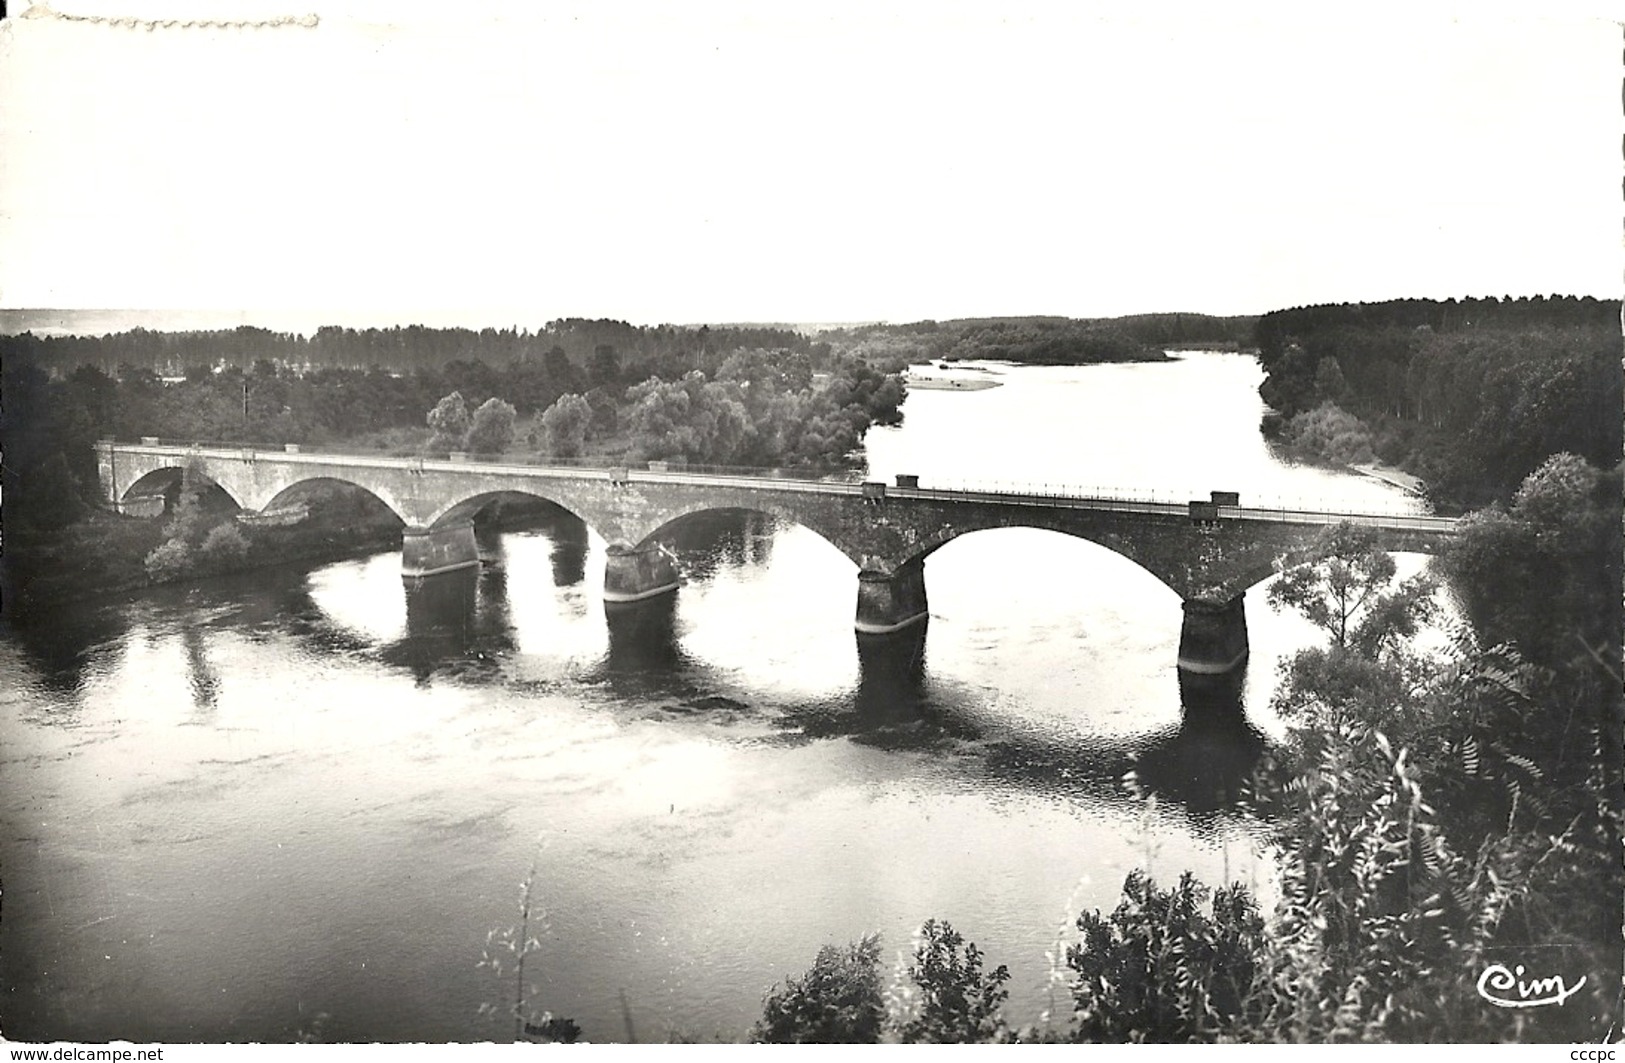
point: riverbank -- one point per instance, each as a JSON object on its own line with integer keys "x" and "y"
{"x": 944, "y": 384}
{"x": 104, "y": 553}
{"x": 1412, "y": 485}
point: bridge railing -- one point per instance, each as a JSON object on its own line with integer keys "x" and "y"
{"x": 1263, "y": 507}
{"x": 1101, "y": 497}
{"x": 522, "y": 458}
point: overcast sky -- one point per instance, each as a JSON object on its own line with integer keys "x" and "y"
{"x": 814, "y": 162}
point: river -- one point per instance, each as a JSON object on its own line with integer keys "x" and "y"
{"x": 275, "y": 806}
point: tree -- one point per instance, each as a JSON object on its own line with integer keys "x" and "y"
{"x": 1344, "y": 590}
{"x": 1329, "y": 383}
{"x": 605, "y": 367}
{"x": 449, "y": 419}
{"x": 837, "y": 1001}
{"x": 1331, "y": 434}
{"x": 1545, "y": 573}
{"x": 1555, "y": 501}
{"x": 565, "y": 425}
{"x": 690, "y": 418}
{"x": 561, "y": 374}
{"x": 186, "y": 518}
{"x": 491, "y": 429}
{"x": 52, "y": 496}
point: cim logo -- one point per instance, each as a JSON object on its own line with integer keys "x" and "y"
{"x": 1507, "y": 989}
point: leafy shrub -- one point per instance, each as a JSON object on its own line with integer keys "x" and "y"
{"x": 1159, "y": 969}
{"x": 1330, "y": 433}
{"x": 554, "y": 1030}
{"x": 837, "y": 1001}
{"x": 171, "y": 560}
{"x": 223, "y": 547}
{"x": 958, "y": 1003}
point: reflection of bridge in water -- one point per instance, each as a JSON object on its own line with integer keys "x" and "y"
{"x": 462, "y": 627}
{"x": 1208, "y": 551}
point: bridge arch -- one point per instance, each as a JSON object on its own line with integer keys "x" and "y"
{"x": 787, "y": 514}
{"x": 1059, "y": 523}
{"x": 299, "y": 487}
{"x": 464, "y": 509}
{"x": 161, "y": 481}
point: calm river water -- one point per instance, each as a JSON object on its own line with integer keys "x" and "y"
{"x": 276, "y": 805}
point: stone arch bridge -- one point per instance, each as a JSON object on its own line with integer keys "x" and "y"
{"x": 1209, "y": 552}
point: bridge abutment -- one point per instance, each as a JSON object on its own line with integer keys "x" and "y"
{"x": 889, "y": 603}
{"x": 438, "y": 550}
{"x": 1213, "y": 637}
{"x": 637, "y": 574}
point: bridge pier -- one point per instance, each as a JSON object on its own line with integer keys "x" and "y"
{"x": 437, "y": 550}
{"x": 643, "y": 635}
{"x": 1213, "y": 637}
{"x": 635, "y": 574}
{"x": 443, "y": 604}
{"x": 888, "y": 603}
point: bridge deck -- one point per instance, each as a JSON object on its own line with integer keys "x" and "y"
{"x": 1049, "y": 496}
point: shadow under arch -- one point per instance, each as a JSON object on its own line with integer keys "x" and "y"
{"x": 747, "y": 530}
{"x": 166, "y": 483}
{"x": 332, "y": 493}
{"x": 488, "y": 505}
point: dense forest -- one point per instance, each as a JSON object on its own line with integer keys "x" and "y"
{"x": 1039, "y": 340}
{"x": 664, "y": 350}
{"x": 687, "y": 395}
{"x": 748, "y": 406}
{"x": 1471, "y": 395}
{"x": 642, "y": 351}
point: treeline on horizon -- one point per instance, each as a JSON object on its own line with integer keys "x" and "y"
{"x": 659, "y": 350}
{"x": 1471, "y": 395}
{"x": 1040, "y": 340}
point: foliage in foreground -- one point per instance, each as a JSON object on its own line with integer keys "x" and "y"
{"x": 837, "y": 1001}
{"x": 506, "y": 951}
{"x": 1159, "y": 968}
{"x": 1390, "y": 912}
{"x": 945, "y": 997}
{"x": 955, "y": 1001}
{"x": 1434, "y": 816}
